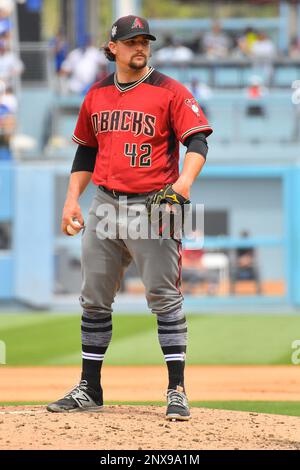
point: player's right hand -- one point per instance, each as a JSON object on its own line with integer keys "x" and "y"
{"x": 71, "y": 212}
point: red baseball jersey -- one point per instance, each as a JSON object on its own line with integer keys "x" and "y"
{"x": 137, "y": 130}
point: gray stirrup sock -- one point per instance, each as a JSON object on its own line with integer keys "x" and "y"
{"x": 172, "y": 335}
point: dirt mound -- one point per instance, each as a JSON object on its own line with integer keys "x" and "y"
{"x": 144, "y": 427}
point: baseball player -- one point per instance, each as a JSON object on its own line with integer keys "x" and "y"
{"x": 128, "y": 133}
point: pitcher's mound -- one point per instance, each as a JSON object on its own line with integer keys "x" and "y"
{"x": 144, "y": 427}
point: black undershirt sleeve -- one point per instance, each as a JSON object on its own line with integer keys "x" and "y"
{"x": 197, "y": 143}
{"x": 85, "y": 159}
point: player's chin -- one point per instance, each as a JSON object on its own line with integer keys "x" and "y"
{"x": 138, "y": 63}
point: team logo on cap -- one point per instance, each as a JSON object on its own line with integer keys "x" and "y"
{"x": 137, "y": 24}
{"x": 114, "y": 30}
{"x": 192, "y": 103}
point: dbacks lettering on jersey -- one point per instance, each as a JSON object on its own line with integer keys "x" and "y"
{"x": 136, "y": 122}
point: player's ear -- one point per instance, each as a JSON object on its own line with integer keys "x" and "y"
{"x": 112, "y": 46}
{"x": 109, "y": 51}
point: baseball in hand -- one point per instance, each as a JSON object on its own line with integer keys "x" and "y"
{"x": 73, "y": 231}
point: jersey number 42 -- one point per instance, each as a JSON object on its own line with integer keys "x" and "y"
{"x": 138, "y": 158}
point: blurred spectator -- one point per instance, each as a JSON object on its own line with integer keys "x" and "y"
{"x": 6, "y": 7}
{"x": 165, "y": 53}
{"x": 82, "y": 66}
{"x": 245, "y": 268}
{"x": 255, "y": 93}
{"x": 201, "y": 92}
{"x": 173, "y": 51}
{"x": 296, "y": 103}
{"x": 181, "y": 53}
{"x": 5, "y": 26}
{"x": 8, "y": 110}
{"x": 256, "y": 90}
{"x": 196, "y": 44}
{"x": 294, "y": 51}
{"x": 246, "y": 42}
{"x": 10, "y": 65}
{"x": 193, "y": 273}
{"x": 216, "y": 43}
{"x": 263, "y": 53}
{"x": 59, "y": 48}
{"x": 263, "y": 48}
{"x": 5, "y": 237}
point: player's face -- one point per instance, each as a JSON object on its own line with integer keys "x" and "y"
{"x": 133, "y": 53}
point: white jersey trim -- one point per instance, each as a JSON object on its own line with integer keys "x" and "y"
{"x": 135, "y": 84}
{"x": 195, "y": 129}
{"x": 78, "y": 141}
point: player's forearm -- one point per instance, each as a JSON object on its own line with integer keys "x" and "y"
{"x": 77, "y": 184}
{"x": 192, "y": 166}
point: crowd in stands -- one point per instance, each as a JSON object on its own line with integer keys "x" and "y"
{"x": 79, "y": 68}
{"x": 218, "y": 44}
{"x": 294, "y": 51}
{"x": 10, "y": 68}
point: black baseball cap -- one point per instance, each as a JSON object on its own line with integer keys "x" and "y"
{"x": 128, "y": 27}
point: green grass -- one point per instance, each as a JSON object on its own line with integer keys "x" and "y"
{"x": 42, "y": 339}
{"x": 291, "y": 408}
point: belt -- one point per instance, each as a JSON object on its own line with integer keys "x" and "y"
{"x": 117, "y": 194}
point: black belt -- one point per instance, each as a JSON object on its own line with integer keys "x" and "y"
{"x": 117, "y": 194}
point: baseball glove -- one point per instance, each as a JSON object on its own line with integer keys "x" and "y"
{"x": 162, "y": 206}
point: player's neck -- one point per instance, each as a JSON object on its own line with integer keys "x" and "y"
{"x": 129, "y": 75}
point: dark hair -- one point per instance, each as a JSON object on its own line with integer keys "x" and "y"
{"x": 108, "y": 54}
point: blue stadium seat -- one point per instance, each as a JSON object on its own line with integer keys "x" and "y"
{"x": 173, "y": 72}
{"x": 227, "y": 76}
{"x": 284, "y": 76}
{"x": 220, "y": 120}
{"x": 280, "y": 122}
{"x": 202, "y": 74}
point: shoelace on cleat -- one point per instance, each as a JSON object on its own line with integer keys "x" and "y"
{"x": 81, "y": 386}
{"x": 177, "y": 398}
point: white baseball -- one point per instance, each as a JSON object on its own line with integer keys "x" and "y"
{"x": 73, "y": 231}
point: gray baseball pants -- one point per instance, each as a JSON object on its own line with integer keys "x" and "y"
{"x": 104, "y": 261}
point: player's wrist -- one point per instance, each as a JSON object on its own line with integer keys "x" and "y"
{"x": 72, "y": 198}
{"x": 183, "y": 187}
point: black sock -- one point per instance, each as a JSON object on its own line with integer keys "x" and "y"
{"x": 92, "y": 360}
{"x": 91, "y": 372}
{"x": 176, "y": 374}
{"x": 175, "y": 360}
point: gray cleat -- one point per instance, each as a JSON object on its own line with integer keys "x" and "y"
{"x": 177, "y": 405}
{"x": 80, "y": 398}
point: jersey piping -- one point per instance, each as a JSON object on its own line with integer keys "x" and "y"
{"x": 193, "y": 130}
{"x": 78, "y": 141}
{"x": 135, "y": 84}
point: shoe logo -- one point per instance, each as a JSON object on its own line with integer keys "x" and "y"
{"x": 82, "y": 399}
